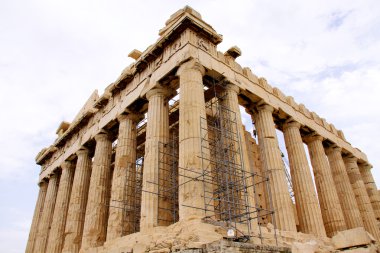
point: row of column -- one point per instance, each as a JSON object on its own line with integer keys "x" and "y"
{"x": 343, "y": 189}
{"x": 87, "y": 212}
{"x": 72, "y": 208}
{"x": 72, "y": 213}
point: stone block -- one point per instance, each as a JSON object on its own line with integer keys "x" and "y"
{"x": 290, "y": 100}
{"x": 333, "y": 129}
{"x": 351, "y": 238}
{"x": 164, "y": 250}
{"x": 371, "y": 249}
{"x": 248, "y": 73}
{"x": 278, "y": 93}
{"x": 139, "y": 248}
{"x": 341, "y": 134}
{"x": 308, "y": 247}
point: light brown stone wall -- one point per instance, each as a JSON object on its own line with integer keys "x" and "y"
{"x": 260, "y": 183}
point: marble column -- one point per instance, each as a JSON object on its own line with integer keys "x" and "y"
{"x": 308, "y": 210}
{"x": 47, "y": 215}
{"x": 36, "y": 217}
{"x": 95, "y": 223}
{"x": 343, "y": 187}
{"x": 192, "y": 114}
{"x": 370, "y": 185}
{"x": 274, "y": 168}
{"x": 157, "y": 131}
{"x": 78, "y": 202}
{"x": 364, "y": 203}
{"x": 332, "y": 213}
{"x": 261, "y": 194}
{"x": 57, "y": 230}
{"x": 120, "y": 220}
{"x": 230, "y": 101}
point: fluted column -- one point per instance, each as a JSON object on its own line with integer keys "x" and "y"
{"x": 78, "y": 203}
{"x": 328, "y": 198}
{"x": 157, "y": 131}
{"x": 47, "y": 215}
{"x": 343, "y": 187}
{"x": 192, "y": 114}
{"x": 308, "y": 210}
{"x": 364, "y": 203}
{"x": 56, "y": 236}
{"x": 370, "y": 185}
{"x": 36, "y": 217}
{"x": 230, "y": 101}
{"x": 95, "y": 224}
{"x": 124, "y": 177}
{"x": 274, "y": 168}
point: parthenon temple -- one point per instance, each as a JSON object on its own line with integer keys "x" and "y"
{"x": 162, "y": 162}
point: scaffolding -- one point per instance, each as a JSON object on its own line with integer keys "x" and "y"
{"x": 168, "y": 179}
{"x": 223, "y": 167}
{"x": 288, "y": 176}
{"x": 132, "y": 208}
{"x": 231, "y": 182}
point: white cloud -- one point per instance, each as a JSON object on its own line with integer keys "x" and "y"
{"x": 55, "y": 53}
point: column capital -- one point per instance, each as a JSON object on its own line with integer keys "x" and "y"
{"x": 42, "y": 183}
{"x": 333, "y": 148}
{"x": 193, "y": 64}
{"x": 291, "y": 123}
{"x": 102, "y": 136}
{"x": 52, "y": 174}
{"x": 312, "y": 137}
{"x": 233, "y": 87}
{"x": 350, "y": 159}
{"x": 131, "y": 116}
{"x": 67, "y": 165}
{"x": 365, "y": 166}
{"x": 262, "y": 107}
{"x": 158, "y": 91}
{"x": 82, "y": 151}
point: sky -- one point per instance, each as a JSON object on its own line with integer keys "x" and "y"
{"x": 53, "y": 54}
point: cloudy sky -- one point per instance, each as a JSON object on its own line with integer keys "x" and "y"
{"x": 53, "y": 54}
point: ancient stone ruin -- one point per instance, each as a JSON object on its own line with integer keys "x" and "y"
{"x": 161, "y": 162}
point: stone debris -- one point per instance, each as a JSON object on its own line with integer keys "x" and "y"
{"x": 355, "y": 240}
